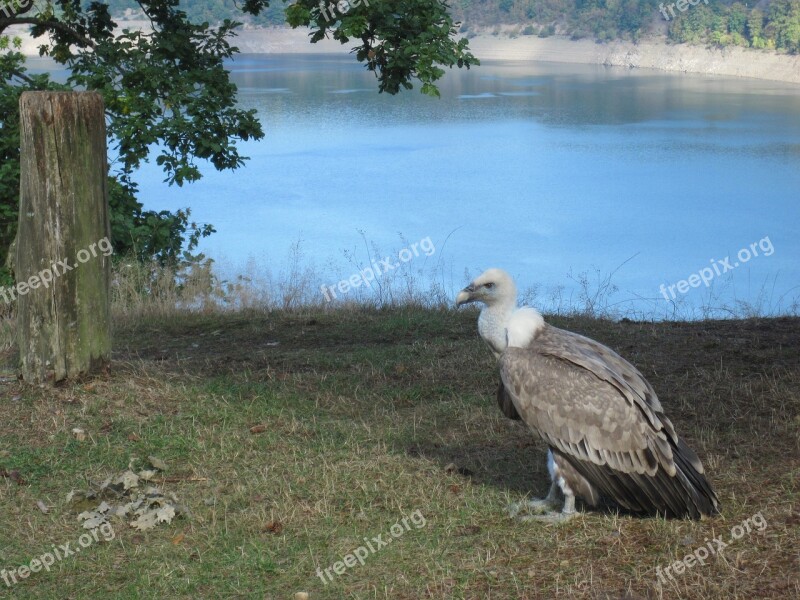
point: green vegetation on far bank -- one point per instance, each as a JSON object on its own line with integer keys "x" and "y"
{"x": 771, "y": 24}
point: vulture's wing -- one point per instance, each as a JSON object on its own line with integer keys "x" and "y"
{"x": 596, "y": 410}
{"x": 506, "y": 404}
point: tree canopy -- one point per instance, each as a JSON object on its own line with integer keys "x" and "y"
{"x": 167, "y": 87}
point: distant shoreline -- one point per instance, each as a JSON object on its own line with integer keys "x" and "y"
{"x": 647, "y": 54}
{"x": 653, "y": 53}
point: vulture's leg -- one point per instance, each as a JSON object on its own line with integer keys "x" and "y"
{"x": 554, "y": 516}
{"x": 547, "y": 504}
{"x": 569, "y": 481}
{"x": 563, "y": 478}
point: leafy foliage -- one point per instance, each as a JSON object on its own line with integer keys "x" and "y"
{"x": 727, "y": 24}
{"x": 599, "y": 19}
{"x": 150, "y": 235}
{"x": 399, "y": 41}
{"x": 166, "y": 87}
{"x": 215, "y": 11}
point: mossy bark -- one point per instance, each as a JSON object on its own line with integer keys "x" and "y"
{"x": 63, "y": 326}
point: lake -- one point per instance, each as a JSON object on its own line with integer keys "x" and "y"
{"x": 568, "y": 176}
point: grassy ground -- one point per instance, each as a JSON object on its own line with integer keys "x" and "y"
{"x": 369, "y": 417}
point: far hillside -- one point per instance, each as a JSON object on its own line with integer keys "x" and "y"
{"x": 766, "y": 24}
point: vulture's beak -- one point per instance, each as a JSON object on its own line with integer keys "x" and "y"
{"x": 465, "y": 295}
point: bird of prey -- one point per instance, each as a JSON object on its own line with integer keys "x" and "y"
{"x": 605, "y": 428}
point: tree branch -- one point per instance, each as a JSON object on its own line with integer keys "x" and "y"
{"x": 20, "y": 75}
{"x": 146, "y": 14}
{"x": 51, "y": 23}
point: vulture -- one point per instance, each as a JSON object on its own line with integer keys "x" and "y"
{"x": 607, "y": 434}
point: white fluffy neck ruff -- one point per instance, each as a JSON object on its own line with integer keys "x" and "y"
{"x": 504, "y": 325}
{"x": 522, "y": 327}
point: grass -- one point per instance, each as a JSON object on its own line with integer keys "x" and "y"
{"x": 370, "y": 415}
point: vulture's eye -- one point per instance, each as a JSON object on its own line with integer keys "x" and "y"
{"x": 488, "y": 286}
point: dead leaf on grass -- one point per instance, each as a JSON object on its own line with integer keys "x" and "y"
{"x": 13, "y": 475}
{"x": 147, "y": 474}
{"x": 273, "y": 527}
{"x": 453, "y": 468}
{"x": 157, "y": 463}
{"x": 128, "y": 479}
{"x": 151, "y": 517}
{"x": 92, "y": 519}
{"x": 122, "y": 497}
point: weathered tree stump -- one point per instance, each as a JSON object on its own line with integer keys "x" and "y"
{"x": 63, "y": 266}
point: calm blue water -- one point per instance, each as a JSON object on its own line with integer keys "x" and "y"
{"x": 543, "y": 169}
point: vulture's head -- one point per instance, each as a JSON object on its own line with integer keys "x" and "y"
{"x": 492, "y": 287}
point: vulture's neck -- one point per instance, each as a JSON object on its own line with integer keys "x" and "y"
{"x": 493, "y": 322}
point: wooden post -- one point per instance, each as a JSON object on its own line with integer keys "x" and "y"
{"x": 64, "y": 236}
